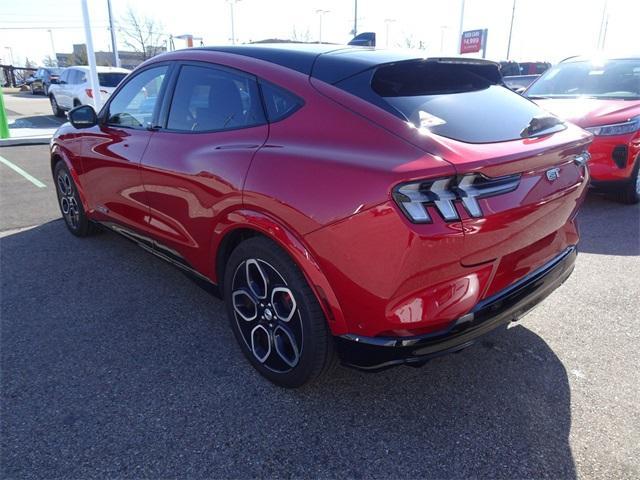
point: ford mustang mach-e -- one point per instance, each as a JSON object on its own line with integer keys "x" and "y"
{"x": 349, "y": 203}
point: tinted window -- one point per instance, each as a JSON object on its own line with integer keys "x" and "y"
{"x": 466, "y": 102}
{"x": 612, "y": 79}
{"x": 133, "y": 106}
{"x": 278, "y": 102}
{"x": 110, "y": 79}
{"x": 65, "y": 76}
{"x": 207, "y": 98}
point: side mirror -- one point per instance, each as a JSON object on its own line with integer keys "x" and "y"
{"x": 54, "y": 81}
{"x": 83, "y": 116}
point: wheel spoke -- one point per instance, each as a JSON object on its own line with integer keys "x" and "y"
{"x": 286, "y": 346}
{"x": 244, "y": 305}
{"x": 260, "y": 343}
{"x": 256, "y": 279}
{"x": 284, "y": 303}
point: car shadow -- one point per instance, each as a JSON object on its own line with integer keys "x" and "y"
{"x": 114, "y": 364}
{"x": 608, "y": 227}
{"x": 37, "y": 121}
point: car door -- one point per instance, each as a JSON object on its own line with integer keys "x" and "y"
{"x": 64, "y": 97}
{"x": 113, "y": 149}
{"x": 58, "y": 92}
{"x": 194, "y": 168}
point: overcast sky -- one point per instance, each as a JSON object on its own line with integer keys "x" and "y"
{"x": 543, "y": 29}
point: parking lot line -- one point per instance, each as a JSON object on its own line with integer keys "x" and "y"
{"x": 26, "y": 175}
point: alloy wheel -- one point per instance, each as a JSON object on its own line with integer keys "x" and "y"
{"x": 267, "y": 315}
{"x": 68, "y": 201}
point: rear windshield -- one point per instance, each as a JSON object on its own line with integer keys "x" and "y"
{"x": 614, "y": 79}
{"x": 462, "y": 101}
{"x": 110, "y": 79}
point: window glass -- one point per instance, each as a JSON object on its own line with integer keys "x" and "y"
{"x": 465, "y": 102}
{"x": 615, "y": 79}
{"x": 279, "y": 103}
{"x": 110, "y": 79}
{"x": 207, "y": 98}
{"x": 65, "y": 76}
{"x": 133, "y": 106}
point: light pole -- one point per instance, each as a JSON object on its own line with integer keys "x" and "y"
{"x": 114, "y": 43}
{"x": 53, "y": 47}
{"x": 233, "y": 26}
{"x": 10, "y": 54}
{"x": 320, "y": 13}
{"x": 460, "y": 29}
{"x": 355, "y": 17}
{"x": 513, "y": 14}
{"x": 387, "y": 21}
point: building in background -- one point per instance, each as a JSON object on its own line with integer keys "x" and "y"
{"x": 128, "y": 60}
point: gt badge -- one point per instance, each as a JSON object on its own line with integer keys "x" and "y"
{"x": 553, "y": 174}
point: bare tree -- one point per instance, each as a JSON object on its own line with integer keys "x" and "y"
{"x": 142, "y": 34}
{"x": 303, "y": 37}
{"x": 49, "y": 61}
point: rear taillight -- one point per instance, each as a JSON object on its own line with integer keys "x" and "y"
{"x": 414, "y": 198}
{"x": 90, "y": 92}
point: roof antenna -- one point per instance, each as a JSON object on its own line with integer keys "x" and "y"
{"x": 366, "y": 39}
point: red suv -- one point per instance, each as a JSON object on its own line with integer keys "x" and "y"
{"x": 602, "y": 95}
{"x": 348, "y": 203}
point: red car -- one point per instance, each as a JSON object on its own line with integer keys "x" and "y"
{"x": 348, "y": 203}
{"x": 603, "y": 97}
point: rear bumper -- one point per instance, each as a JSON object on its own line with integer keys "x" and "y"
{"x": 375, "y": 353}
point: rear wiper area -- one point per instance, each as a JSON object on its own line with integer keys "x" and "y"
{"x": 541, "y": 124}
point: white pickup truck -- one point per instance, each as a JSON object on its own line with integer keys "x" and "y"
{"x": 73, "y": 87}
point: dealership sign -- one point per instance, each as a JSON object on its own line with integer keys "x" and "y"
{"x": 472, "y": 41}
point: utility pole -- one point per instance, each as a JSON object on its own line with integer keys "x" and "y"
{"x": 460, "y": 29}
{"x": 387, "y": 21}
{"x": 603, "y": 25}
{"x": 91, "y": 57}
{"x": 233, "y": 25}
{"x": 114, "y": 43}
{"x": 513, "y": 14}
{"x": 320, "y": 13}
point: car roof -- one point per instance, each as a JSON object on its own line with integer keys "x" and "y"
{"x": 586, "y": 58}
{"x": 101, "y": 69}
{"x": 329, "y": 63}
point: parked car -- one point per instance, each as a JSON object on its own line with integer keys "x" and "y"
{"x": 43, "y": 78}
{"x": 372, "y": 206}
{"x": 519, "y": 83}
{"x": 511, "y": 68}
{"x": 602, "y": 96}
{"x": 74, "y": 89}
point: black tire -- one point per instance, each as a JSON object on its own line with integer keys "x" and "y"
{"x": 76, "y": 103}
{"x": 630, "y": 191}
{"x": 286, "y": 364}
{"x": 69, "y": 202}
{"x": 57, "y": 111}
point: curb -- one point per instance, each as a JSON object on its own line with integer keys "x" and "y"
{"x": 13, "y": 142}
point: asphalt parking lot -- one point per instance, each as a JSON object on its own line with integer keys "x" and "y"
{"x": 114, "y": 364}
